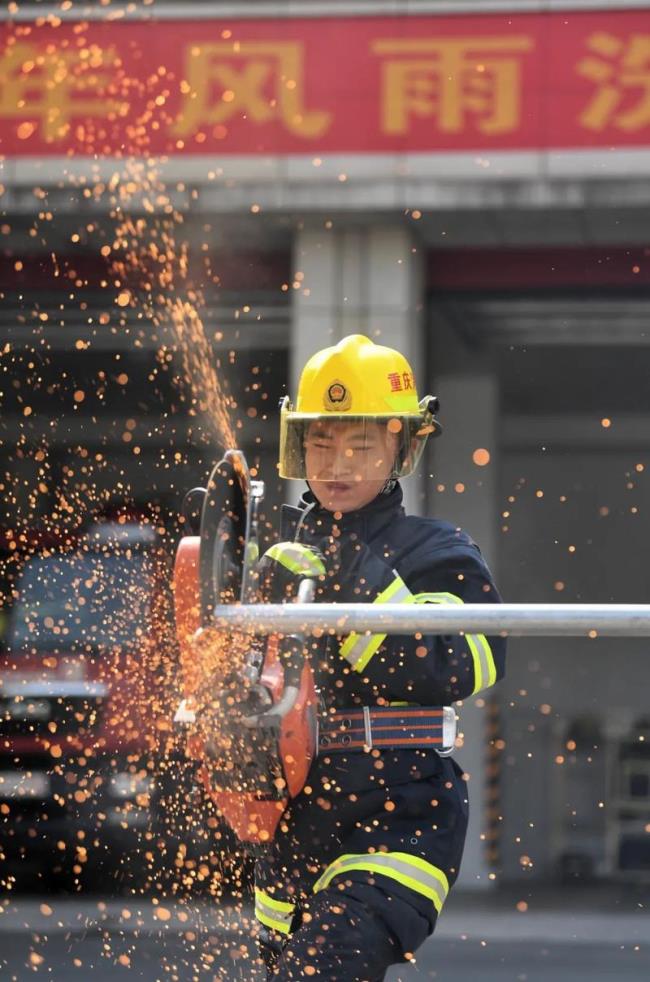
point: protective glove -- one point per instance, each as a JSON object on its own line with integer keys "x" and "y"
{"x": 284, "y": 565}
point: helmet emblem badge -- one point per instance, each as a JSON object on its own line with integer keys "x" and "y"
{"x": 337, "y": 397}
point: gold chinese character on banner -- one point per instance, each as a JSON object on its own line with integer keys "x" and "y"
{"x": 49, "y": 88}
{"x": 259, "y": 80}
{"x": 449, "y": 79}
{"x": 621, "y": 70}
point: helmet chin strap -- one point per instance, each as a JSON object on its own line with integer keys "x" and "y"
{"x": 391, "y": 481}
{"x": 306, "y": 512}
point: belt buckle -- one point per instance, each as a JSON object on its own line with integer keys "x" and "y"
{"x": 367, "y": 727}
{"x": 449, "y": 728}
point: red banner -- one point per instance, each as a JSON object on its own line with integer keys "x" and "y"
{"x": 330, "y": 85}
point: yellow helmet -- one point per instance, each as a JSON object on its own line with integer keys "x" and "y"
{"x": 363, "y": 382}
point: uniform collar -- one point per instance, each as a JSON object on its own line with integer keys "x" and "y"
{"x": 311, "y": 520}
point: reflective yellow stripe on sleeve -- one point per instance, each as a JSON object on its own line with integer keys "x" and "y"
{"x": 485, "y": 671}
{"x": 411, "y": 871}
{"x": 272, "y": 913}
{"x": 358, "y": 649}
{"x": 297, "y": 558}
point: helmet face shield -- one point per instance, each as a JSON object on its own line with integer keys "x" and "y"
{"x": 346, "y": 449}
{"x": 357, "y": 421}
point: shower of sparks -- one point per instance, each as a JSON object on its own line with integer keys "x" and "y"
{"x": 117, "y": 757}
{"x": 149, "y": 254}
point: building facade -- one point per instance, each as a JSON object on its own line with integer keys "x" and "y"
{"x": 466, "y": 181}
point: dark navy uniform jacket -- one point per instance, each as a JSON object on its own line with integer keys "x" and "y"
{"x": 408, "y": 804}
{"x": 437, "y": 562}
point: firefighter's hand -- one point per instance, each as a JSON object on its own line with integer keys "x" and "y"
{"x": 284, "y": 565}
{"x": 354, "y": 573}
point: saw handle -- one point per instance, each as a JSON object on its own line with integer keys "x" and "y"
{"x": 292, "y": 646}
{"x": 291, "y": 656}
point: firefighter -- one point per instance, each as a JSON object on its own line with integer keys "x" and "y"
{"x": 366, "y": 854}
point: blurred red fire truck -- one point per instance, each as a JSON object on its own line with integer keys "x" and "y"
{"x": 89, "y": 766}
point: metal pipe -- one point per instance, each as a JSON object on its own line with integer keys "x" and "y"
{"x": 545, "y": 620}
{"x": 229, "y": 9}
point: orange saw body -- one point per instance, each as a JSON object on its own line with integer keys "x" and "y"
{"x": 249, "y": 763}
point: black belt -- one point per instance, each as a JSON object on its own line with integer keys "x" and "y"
{"x": 388, "y": 728}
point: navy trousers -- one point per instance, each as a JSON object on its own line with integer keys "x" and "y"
{"x": 361, "y": 922}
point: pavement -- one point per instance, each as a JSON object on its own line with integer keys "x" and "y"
{"x": 555, "y": 914}
{"x": 524, "y": 934}
{"x": 534, "y": 913}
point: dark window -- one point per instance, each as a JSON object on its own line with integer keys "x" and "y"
{"x": 80, "y": 601}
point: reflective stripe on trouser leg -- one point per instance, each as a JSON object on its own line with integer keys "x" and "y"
{"x": 358, "y": 649}
{"x": 411, "y": 871}
{"x": 485, "y": 671}
{"x": 297, "y": 558}
{"x": 272, "y": 913}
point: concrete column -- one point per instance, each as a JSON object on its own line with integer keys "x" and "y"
{"x": 469, "y": 413}
{"x": 359, "y": 280}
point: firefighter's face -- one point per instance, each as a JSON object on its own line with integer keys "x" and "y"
{"x": 348, "y": 464}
